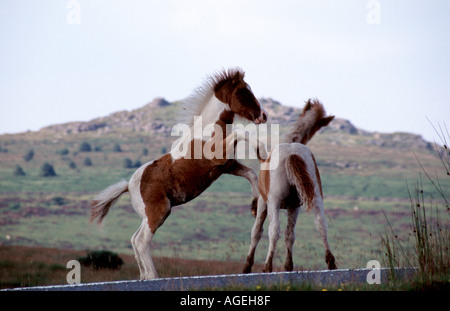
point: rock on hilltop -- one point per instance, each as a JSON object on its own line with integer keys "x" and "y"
{"x": 159, "y": 116}
{"x": 286, "y": 115}
{"x": 144, "y": 119}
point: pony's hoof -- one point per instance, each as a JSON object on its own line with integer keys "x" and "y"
{"x": 247, "y": 270}
{"x": 329, "y": 259}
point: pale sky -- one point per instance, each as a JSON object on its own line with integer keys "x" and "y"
{"x": 384, "y": 70}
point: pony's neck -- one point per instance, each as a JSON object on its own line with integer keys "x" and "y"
{"x": 299, "y": 133}
{"x": 307, "y": 124}
{"x": 211, "y": 114}
{"x": 203, "y": 125}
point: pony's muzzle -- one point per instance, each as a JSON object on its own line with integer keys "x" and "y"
{"x": 262, "y": 117}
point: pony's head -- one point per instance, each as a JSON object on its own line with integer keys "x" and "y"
{"x": 231, "y": 89}
{"x": 309, "y": 122}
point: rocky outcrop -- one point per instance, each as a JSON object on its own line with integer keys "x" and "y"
{"x": 141, "y": 119}
{"x": 159, "y": 116}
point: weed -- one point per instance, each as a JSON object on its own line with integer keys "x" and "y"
{"x": 427, "y": 245}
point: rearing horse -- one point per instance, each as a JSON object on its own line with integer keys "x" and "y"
{"x": 180, "y": 176}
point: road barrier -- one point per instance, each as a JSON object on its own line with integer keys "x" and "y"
{"x": 240, "y": 281}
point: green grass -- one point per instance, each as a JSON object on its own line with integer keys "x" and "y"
{"x": 216, "y": 226}
{"x": 360, "y": 182}
{"x": 428, "y": 241}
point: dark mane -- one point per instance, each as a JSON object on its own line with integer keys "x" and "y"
{"x": 225, "y": 76}
{"x": 194, "y": 104}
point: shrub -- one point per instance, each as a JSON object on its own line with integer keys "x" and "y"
{"x": 29, "y": 155}
{"x": 87, "y": 161}
{"x": 47, "y": 170}
{"x": 117, "y": 148}
{"x": 127, "y": 163}
{"x": 85, "y": 147}
{"x": 102, "y": 260}
{"x": 60, "y": 201}
{"x": 19, "y": 171}
{"x": 72, "y": 165}
{"x": 62, "y": 152}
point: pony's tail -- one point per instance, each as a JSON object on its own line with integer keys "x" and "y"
{"x": 102, "y": 203}
{"x": 298, "y": 176}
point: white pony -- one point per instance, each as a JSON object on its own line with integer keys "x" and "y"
{"x": 295, "y": 181}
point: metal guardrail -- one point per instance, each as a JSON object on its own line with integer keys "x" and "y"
{"x": 235, "y": 281}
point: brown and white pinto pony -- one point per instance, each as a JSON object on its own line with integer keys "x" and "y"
{"x": 294, "y": 181}
{"x": 180, "y": 176}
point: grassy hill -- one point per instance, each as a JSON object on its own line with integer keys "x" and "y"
{"x": 363, "y": 174}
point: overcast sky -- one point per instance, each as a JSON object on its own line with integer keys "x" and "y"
{"x": 385, "y": 70}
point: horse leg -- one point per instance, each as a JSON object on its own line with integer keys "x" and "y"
{"x": 321, "y": 226}
{"x": 289, "y": 236}
{"x": 227, "y": 144}
{"x": 256, "y": 235}
{"x": 142, "y": 239}
{"x": 134, "y": 243}
{"x": 241, "y": 170}
{"x": 156, "y": 211}
{"x": 274, "y": 233}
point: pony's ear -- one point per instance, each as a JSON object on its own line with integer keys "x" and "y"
{"x": 307, "y": 107}
{"x": 326, "y": 121}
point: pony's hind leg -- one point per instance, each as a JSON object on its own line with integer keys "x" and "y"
{"x": 156, "y": 213}
{"x": 274, "y": 233}
{"x": 257, "y": 231}
{"x": 134, "y": 242}
{"x": 289, "y": 236}
{"x": 145, "y": 237}
{"x": 321, "y": 226}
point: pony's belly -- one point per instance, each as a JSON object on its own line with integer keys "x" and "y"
{"x": 181, "y": 180}
{"x": 291, "y": 200}
{"x": 191, "y": 182}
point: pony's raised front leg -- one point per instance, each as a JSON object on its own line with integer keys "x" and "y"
{"x": 257, "y": 231}
{"x": 289, "y": 236}
{"x": 227, "y": 145}
{"x": 321, "y": 226}
{"x": 274, "y": 232}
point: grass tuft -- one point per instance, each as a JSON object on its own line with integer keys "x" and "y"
{"x": 427, "y": 244}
